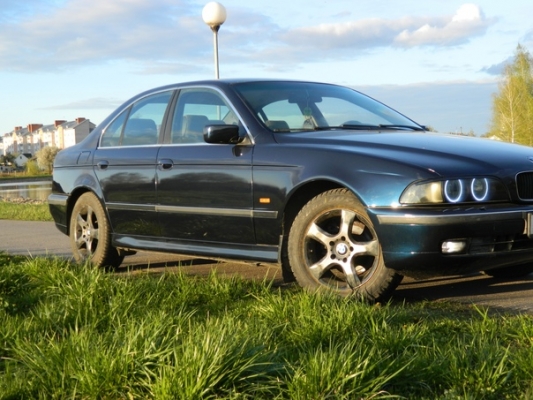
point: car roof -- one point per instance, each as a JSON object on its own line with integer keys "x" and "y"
{"x": 225, "y": 82}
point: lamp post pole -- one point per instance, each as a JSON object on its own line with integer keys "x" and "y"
{"x": 215, "y": 49}
{"x": 214, "y": 15}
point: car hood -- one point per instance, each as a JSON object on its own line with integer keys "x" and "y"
{"x": 442, "y": 154}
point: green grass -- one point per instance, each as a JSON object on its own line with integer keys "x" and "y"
{"x": 24, "y": 211}
{"x": 22, "y": 176}
{"x": 70, "y": 331}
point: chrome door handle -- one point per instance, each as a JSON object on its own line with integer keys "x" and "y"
{"x": 165, "y": 164}
{"x": 102, "y": 164}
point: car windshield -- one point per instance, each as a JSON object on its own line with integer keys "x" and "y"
{"x": 301, "y": 106}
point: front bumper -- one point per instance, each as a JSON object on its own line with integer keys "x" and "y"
{"x": 494, "y": 237}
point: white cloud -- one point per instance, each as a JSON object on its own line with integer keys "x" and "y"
{"x": 467, "y": 22}
{"x": 164, "y": 36}
{"x": 365, "y": 33}
{"x": 497, "y": 69}
{"x": 171, "y": 68}
{"x": 95, "y": 103}
{"x": 92, "y": 31}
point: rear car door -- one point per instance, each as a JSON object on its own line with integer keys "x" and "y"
{"x": 125, "y": 165}
{"x": 204, "y": 190}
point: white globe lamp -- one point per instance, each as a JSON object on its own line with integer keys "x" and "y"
{"x": 214, "y": 15}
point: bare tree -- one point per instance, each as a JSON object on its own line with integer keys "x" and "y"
{"x": 512, "y": 106}
{"x": 45, "y": 158}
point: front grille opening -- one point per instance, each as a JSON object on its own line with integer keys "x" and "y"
{"x": 497, "y": 244}
{"x": 524, "y": 185}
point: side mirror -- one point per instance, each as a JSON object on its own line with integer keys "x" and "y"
{"x": 222, "y": 134}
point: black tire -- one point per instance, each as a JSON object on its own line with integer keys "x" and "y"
{"x": 333, "y": 247}
{"x": 90, "y": 234}
{"x": 512, "y": 272}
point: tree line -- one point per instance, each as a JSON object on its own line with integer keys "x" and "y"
{"x": 43, "y": 161}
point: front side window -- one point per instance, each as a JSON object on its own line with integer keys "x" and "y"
{"x": 195, "y": 109}
{"x": 140, "y": 124}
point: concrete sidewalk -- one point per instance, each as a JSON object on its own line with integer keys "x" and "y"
{"x": 33, "y": 238}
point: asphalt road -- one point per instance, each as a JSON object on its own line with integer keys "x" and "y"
{"x": 43, "y": 239}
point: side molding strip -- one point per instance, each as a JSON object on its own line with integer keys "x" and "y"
{"x": 227, "y": 212}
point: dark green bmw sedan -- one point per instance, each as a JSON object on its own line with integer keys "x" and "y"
{"x": 346, "y": 194}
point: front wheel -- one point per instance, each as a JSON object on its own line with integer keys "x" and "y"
{"x": 90, "y": 233}
{"x": 333, "y": 246}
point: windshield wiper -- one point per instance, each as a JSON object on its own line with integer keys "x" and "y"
{"x": 366, "y": 127}
{"x": 393, "y": 126}
{"x": 346, "y": 126}
{"x": 359, "y": 126}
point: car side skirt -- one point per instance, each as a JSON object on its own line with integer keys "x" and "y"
{"x": 264, "y": 253}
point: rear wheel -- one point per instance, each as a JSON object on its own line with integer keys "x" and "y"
{"x": 90, "y": 233}
{"x": 333, "y": 247}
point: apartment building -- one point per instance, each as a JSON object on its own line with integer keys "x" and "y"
{"x": 61, "y": 134}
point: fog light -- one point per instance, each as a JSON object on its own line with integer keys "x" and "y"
{"x": 453, "y": 246}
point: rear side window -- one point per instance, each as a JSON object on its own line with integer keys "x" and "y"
{"x": 113, "y": 132}
{"x": 140, "y": 124}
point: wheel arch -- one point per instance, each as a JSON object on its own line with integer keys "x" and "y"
{"x": 374, "y": 281}
{"x": 304, "y": 193}
{"x": 296, "y": 200}
{"x": 73, "y": 198}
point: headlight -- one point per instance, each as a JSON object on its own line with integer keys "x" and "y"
{"x": 479, "y": 189}
{"x": 454, "y": 191}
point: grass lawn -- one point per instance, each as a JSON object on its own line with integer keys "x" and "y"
{"x": 70, "y": 331}
{"x": 27, "y": 211}
{"x": 24, "y": 211}
{"x": 23, "y": 176}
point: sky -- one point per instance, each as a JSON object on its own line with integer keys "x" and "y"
{"x": 437, "y": 61}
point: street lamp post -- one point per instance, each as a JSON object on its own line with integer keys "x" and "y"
{"x": 214, "y": 15}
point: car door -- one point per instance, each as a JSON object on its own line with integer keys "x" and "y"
{"x": 125, "y": 165}
{"x": 204, "y": 191}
